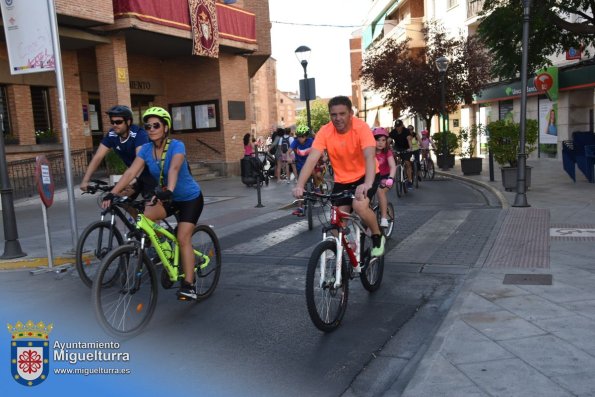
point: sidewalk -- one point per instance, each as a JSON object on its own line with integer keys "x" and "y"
{"x": 509, "y": 332}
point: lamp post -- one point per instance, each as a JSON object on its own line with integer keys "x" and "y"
{"x": 302, "y": 54}
{"x": 365, "y": 94}
{"x": 520, "y": 199}
{"x": 442, "y": 66}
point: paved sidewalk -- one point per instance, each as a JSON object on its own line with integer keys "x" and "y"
{"x": 524, "y": 338}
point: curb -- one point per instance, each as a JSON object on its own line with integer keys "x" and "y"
{"x": 18, "y": 264}
{"x": 499, "y": 195}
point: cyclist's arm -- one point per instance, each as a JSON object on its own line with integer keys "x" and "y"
{"x": 174, "y": 171}
{"x": 135, "y": 168}
{"x": 393, "y": 167}
{"x": 102, "y": 151}
{"x": 307, "y": 169}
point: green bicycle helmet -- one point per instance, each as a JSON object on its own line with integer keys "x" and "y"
{"x": 302, "y": 130}
{"x": 157, "y": 112}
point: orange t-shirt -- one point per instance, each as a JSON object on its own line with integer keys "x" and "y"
{"x": 346, "y": 150}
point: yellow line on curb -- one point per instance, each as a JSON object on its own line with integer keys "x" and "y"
{"x": 14, "y": 264}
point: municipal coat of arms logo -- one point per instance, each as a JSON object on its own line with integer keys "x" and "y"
{"x": 29, "y": 357}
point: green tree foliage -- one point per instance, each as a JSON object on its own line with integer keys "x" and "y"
{"x": 550, "y": 31}
{"x": 408, "y": 79}
{"x": 318, "y": 115}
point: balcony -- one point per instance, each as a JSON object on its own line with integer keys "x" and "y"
{"x": 408, "y": 28}
{"x": 474, "y": 7}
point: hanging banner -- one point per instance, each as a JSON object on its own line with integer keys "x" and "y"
{"x": 28, "y": 36}
{"x": 205, "y": 32}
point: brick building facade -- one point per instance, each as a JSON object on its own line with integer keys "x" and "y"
{"x": 111, "y": 55}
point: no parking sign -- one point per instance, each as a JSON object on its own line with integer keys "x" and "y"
{"x": 44, "y": 180}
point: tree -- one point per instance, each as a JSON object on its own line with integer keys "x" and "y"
{"x": 407, "y": 78}
{"x": 318, "y": 114}
{"x": 551, "y": 31}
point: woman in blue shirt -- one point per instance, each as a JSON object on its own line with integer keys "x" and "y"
{"x": 177, "y": 191}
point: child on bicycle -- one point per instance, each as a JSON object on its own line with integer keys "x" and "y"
{"x": 301, "y": 146}
{"x": 177, "y": 191}
{"x": 387, "y": 169}
{"x": 425, "y": 144}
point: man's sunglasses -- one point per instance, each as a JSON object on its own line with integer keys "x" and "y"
{"x": 154, "y": 126}
{"x": 116, "y": 122}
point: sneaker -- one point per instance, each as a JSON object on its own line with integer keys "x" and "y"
{"x": 383, "y": 222}
{"x": 298, "y": 211}
{"x": 187, "y": 291}
{"x": 378, "y": 245}
{"x": 301, "y": 214}
{"x": 409, "y": 185}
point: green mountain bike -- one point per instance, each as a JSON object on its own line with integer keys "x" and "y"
{"x": 125, "y": 289}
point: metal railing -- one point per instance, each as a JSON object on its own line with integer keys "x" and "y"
{"x": 209, "y": 146}
{"x": 21, "y": 173}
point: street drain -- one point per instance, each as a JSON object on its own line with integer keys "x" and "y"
{"x": 528, "y": 279}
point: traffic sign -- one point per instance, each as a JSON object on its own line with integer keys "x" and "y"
{"x": 44, "y": 180}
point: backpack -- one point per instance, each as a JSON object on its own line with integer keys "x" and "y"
{"x": 284, "y": 145}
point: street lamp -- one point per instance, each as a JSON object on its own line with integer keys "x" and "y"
{"x": 302, "y": 54}
{"x": 365, "y": 94}
{"x": 520, "y": 200}
{"x": 442, "y": 66}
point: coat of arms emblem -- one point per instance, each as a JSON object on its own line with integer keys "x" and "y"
{"x": 29, "y": 357}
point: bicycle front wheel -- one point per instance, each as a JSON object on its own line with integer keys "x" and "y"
{"x": 399, "y": 184}
{"x": 431, "y": 168}
{"x": 415, "y": 174}
{"x": 205, "y": 241}
{"x": 326, "y": 303}
{"x": 96, "y": 241}
{"x": 125, "y": 291}
{"x": 390, "y": 217}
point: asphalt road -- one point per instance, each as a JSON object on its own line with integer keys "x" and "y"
{"x": 253, "y": 337}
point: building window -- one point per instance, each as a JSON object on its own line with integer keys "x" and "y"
{"x": 5, "y": 119}
{"x": 452, "y": 3}
{"x": 40, "y": 102}
{"x": 195, "y": 116}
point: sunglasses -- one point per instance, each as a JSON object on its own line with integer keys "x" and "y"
{"x": 153, "y": 126}
{"x": 116, "y": 122}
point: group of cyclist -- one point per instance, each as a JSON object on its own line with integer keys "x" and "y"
{"x": 157, "y": 168}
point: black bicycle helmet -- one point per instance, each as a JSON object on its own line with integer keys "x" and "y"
{"x": 120, "y": 111}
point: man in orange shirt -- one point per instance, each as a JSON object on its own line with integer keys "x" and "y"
{"x": 351, "y": 147}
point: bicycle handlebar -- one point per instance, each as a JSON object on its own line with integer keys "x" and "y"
{"x": 98, "y": 185}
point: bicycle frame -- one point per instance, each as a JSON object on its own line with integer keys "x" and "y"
{"x": 153, "y": 230}
{"x": 339, "y": 222}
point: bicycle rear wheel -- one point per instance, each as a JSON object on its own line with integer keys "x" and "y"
{"x": 205, "y": 241}
{"x": 415, "y": 174}
{"x": 373, "y": 269}
{"x": 95, "y": 242}
{"x": 326, "y": 304}
{"x": 125, "y": 304}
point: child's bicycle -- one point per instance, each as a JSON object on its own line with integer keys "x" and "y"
{"x": 390, "y": 214}
{"x": 125, "y": 289}
{"x": 341, "y": 256}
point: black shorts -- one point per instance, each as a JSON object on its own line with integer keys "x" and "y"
{"x": 339, "y": 187}
{"x": 186, "y": 211}
{"x": 144, "y": 184}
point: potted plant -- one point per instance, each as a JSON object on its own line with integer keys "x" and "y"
{"x": 45, "y": 136}
{"x": 115, "y": 166}
{"x": 470, "y": 164}
{"x": 503, "y": 142}
{"x": 447, "y": 161}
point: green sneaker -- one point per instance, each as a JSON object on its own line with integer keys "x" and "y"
{"x": 378, "y": 249}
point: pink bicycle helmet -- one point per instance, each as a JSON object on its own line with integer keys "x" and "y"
{"x": 379, "y": 131}
{"x": 424, "y": 132}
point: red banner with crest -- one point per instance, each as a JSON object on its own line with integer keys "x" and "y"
{"x": 205, "y": 32}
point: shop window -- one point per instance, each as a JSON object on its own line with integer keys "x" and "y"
{"x": 195, "y": 116}
{"x": 40, "y": 103}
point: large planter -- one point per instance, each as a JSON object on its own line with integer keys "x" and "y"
{"x": 445, "y": 162}
{"x": 509, "y": 177}
{"x": 471, "y": 166}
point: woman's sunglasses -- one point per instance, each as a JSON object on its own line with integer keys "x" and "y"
{"x": 154, "y": 126}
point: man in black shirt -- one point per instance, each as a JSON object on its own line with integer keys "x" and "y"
{"x": 401, "y": 143}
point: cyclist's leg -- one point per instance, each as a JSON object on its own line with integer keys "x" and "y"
{"x": 382, "y": 201}
{"x": 188, "y": 214}
{"x": 408, "y": 170}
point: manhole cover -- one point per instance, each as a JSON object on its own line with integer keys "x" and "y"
{"x": 528, "y": 279}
